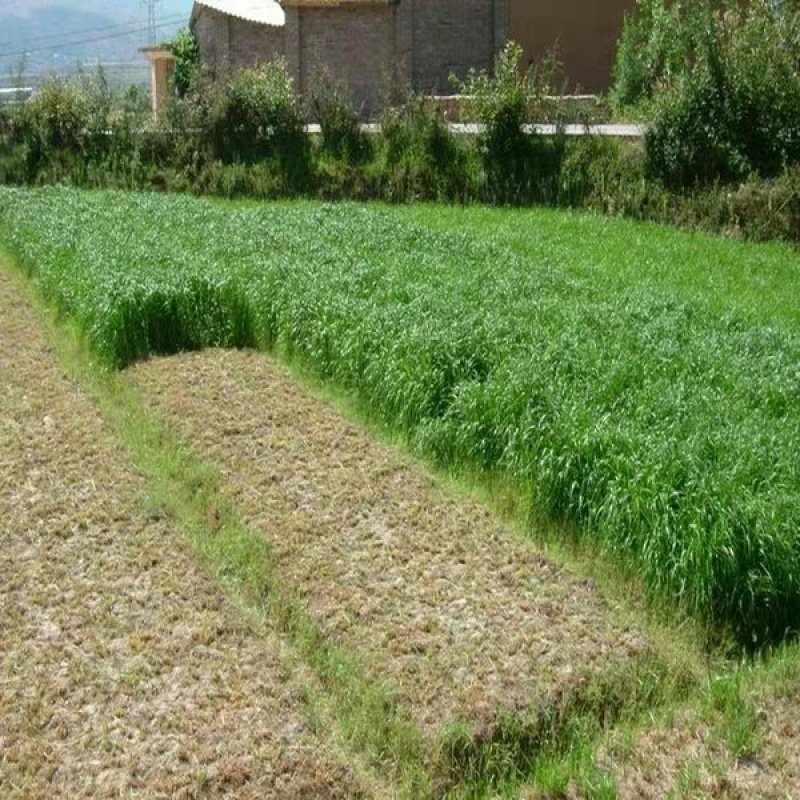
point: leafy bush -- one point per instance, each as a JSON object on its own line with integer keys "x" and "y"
{"x": 421, "y": 157}
{"x": 652, "y": 49}
{"x": 763, "y": 60}
{"x": 519, "y": 166}
{"x": 736, "y": 110}
{"x": 723, "y": 81}
{"x": 52, "y": 122}
{"x": 254, "y": 116}
{"x": 692, "y": 138}
{"x": 185, "y": 76}
{"x": 339, "y": 121}
{"x": 72, "y": 127}
{"x": 5, "y": 124}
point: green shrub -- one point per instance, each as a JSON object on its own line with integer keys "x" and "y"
{"x": 692, "y": 139}
{"x": 651, "y": 50}
{"x": 6, "y": 125}
{"x": 254, "y": 116}
{"x": 519, "y": 166}
{"x": 185, "y": 76}
{"x": 52, "y": 123}
{"x": 72, "y": 127}
{"x": 421, "y": 158}
{"x": 764, "y": 79}
{"x": 134, "y": 100}
{"x": 601, "y": 172}
{"x": 340, "y": 122}
{"x": 723, "y": 83}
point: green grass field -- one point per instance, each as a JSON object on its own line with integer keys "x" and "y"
{"x": 638, "y": 381}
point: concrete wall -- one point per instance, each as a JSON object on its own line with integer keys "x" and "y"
{"x": 227, "y": 42}
{"x": 162, "y": 63}
{"x": 586, "y": 32}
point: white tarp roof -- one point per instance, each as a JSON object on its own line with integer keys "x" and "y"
{"x": 266, "y": 12}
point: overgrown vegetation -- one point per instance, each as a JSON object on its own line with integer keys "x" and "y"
{"x": 243, "y": 137}
{"x": 185, "y": 75}
{"x": 518, "y": 166}
{"x": 253, "y": 117}
{"x": 663, "y": 422}
{"x": 722, "y": 83}
{"x": 339, "y": 121}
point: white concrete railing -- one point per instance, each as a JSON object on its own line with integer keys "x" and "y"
{"x": 615, "y": 131}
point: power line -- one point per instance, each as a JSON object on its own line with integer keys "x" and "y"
{"x": 108, "y": 37}
{"x": 133, "y": 66}
{"x": 83, "y": 31}
{"x": 152, "y": 13}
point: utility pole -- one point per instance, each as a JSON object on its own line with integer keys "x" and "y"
{"x": 152, "y": 17}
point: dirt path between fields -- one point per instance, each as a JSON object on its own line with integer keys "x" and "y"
{"x": 123, "y": 670}
{"x": 464, "y": 618}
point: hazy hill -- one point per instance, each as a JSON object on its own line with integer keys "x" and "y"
{"x": 38, "y": 36}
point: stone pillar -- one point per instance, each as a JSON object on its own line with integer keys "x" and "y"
{"x": 162, "y": 62}
{"x": 292, "y": 33}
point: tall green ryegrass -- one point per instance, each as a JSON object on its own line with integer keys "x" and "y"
{"x": 664, "y": 420}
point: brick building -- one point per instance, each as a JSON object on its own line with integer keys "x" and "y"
{"x": 367, "y": 43}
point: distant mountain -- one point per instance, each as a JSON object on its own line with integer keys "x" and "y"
{"x": 41, "y": 36}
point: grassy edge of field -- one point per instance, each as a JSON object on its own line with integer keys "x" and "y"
{"x": 557, "y": 752}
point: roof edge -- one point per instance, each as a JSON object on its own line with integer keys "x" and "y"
{"x": 265, "y": 12}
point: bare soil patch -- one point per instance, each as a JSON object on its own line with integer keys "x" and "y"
{"x": 124, "y": 672}
{"x": 461, "y": 616}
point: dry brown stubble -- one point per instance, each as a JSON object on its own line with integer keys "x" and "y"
{"x": 687, "y": 759}
{"x": 123, "y": 670}
{"x": 464, "y": 618}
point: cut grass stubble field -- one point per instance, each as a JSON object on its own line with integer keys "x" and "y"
{"x": 124, "y": 671}
{"x": 662, "y": 418}
{"x": 148, "y": 658}
{"x": 481, "y": 641}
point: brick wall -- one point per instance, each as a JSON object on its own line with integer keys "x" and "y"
{"x": 227, "y": 42}
{"x": 211, "y": 29}
{"x": 421, "y": 42}
{"x": 355, "y": 44}
{"x": 451, "y": 36}
{"x": 254, "y": 44}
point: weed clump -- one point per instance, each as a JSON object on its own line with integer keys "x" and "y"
{"x": 519, "y": 165}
